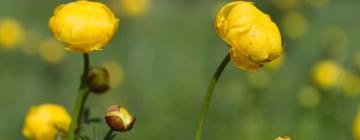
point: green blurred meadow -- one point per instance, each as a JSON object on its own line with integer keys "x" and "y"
{"x": 161, "y": 61}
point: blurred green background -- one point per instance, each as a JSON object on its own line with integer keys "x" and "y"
{"x": 163, "y": 57}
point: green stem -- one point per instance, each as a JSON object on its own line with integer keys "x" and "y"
{"x": 108, "y": 135}
{"x": 209, "y": 93}
{"x": 80, "y": 101}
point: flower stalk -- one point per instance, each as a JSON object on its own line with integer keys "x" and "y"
{"x": 209, "y": 93}
{"x": 109, "y": 134}
{"x": 80, "y": 101}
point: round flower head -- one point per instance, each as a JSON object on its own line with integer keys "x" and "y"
{"x": 11, "y": 32}
{"x": 326, "y": 74}
{"x": 251, "y": 35}
{"x": 119, "y": 119}
{"x": 46, "y": 121}
{"x": 84, "y": 25}
{"x": 283, "y": 138}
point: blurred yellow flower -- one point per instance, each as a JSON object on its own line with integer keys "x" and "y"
{"x": 276, "y": 64}
{"x": 86, "y": 26}
{"x": 51, "y": 51}
{"x": 294, "y": 24}
{"x": 134, "y": 7}
{"x": 115, "y": 71}
{"x": 285, "y": 4}
{"x": 356, "y": 126}
{"x": 317, "y": 3}
{"x": 44, "y": 122}
{"x": 309, "y": 97}
{"x": 350, "y": 84}
{"x": 253, "y": 38}
{"x": 283, "y": 138}
{"x": 11, "y": 32}
{"x": 326, "y": 73}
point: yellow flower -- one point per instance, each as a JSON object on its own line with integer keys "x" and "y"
{"x": 44, "y": 122}
{"x": 294, "y": 24}
{"x": 356, "y": 126}
{"x": 326, "y": 73}
{"x": 11, "y": 32}
{"x": 86, "y": 26}
{"x": 51, "y": 51}
{"x": 283, "y": 138}
{"x": 253, "y": 38}
{"x": 134, "y": 7}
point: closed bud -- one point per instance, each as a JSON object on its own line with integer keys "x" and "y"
{"x": 283, "y": 138}
{"x": 119, "y": 119}
{"x": 98, "y": 80}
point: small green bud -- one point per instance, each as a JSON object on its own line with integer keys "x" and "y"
{"x": 119, "y": 119}
{"x": 98, "y": 80}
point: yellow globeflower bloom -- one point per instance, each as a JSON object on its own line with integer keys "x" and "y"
{"x": 283, "y": 138}
{"x": 326, "y": 73}
{"x": 51, "y": 51}
{"x": 134, "y": 7}
{"x": 11, "y": 32}
{"x": 86, "y": 26}
{"x": 253, "y": 38}
{"x": 44, "y": 122}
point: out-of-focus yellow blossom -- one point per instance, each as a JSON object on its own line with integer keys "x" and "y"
{"x": 276, "y": 64}
{"x": 317, "y": 3}
{"x": 356, "y": 126}
{"x": 253, "y": 38}
{"x": 31, "y": 43}
{"x": 51, "y": 51}
{"x": 283, "y": 138}
{"x": 326, "y": 73}
{"x": 350, "y": 84}
{"x": 294, "y": 24}
{"x": 84, "y": 25}
{"x": 134, "y": 7}
{"x": 309, "y": 97}
{"x": 285, "y": 4}
{"x": 11, "y": 32}
{"x": 44, "y": 122}
{"x": 259, "y": 79}
{"x": 115, "y": 71}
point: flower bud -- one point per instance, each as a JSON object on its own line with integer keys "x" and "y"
{"x": 98, "y": 80}
{"x": 254, "y": 39}
{"x": 283, "y": 138}
{"x": 84, "y": 25}
{"x": 119, "y": 119}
